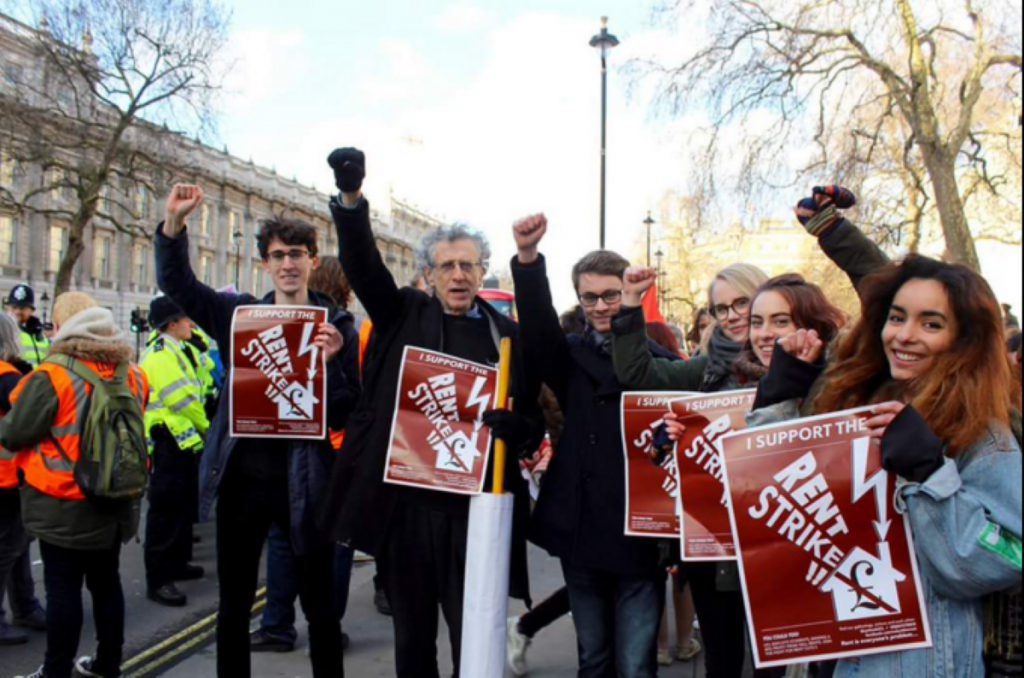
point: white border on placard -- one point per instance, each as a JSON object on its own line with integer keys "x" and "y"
{"x": 752, "y": 627}
{"x": 394, "y": 424}
{"x": 231, "y": 383}
{"x": 682, "y": 507}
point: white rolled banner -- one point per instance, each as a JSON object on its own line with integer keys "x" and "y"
{"x": 485, "y": 611}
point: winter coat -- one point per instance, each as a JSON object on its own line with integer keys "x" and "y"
{"x": 309, "y": 462}
{"x": 581, "y": 513}
{"x": 362, "y": 505}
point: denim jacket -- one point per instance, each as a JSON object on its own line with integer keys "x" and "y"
{"x": 966, "y": 521}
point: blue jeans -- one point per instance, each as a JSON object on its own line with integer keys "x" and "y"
{"x": 617, "y": 621}
{"x": 283, "y": 586}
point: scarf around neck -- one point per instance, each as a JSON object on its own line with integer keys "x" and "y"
{"x": 722, "y": 354}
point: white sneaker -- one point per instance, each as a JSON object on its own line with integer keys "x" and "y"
{"x": 37, "y": 674}
{"x": 518, "y": 645}
{"x": 83, "y": 667}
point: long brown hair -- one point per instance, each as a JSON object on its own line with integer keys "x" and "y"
{"x": 329, "y": 278}
{"x": 809, "y": 307}
{"x": 971, "y": 385}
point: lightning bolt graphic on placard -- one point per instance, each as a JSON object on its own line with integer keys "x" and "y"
{"x": 479, "y": 400}
{"x": 879, "y": 484}
{"x": 309, "y": 347}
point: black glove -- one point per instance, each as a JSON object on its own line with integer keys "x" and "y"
{"x": 349, "y": 165}
{"x": 513, "y": 428}
{"x": 661, "y": 446}
{"x": 910, "y": 449}
{"x": 788, "y": 379}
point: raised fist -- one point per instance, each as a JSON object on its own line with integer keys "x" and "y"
{"x": 528, "y": 233}
{"x": 349, "y": 165}
{"x": 804, "y": 345}
{"x": 182, "y": 201}
{"x": 637, "y": 281}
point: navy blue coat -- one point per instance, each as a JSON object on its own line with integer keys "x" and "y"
{"x": 581, "y": 515}
{"x": 310, "y": 463}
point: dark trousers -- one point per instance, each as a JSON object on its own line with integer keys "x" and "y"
{"x": 15, "y": 560}
{"x": 65, "y": 573}
{"x": 545, "y": 614}
{"x": 283, "y": 586}
{"x": 617, "y": 622}
{"x": 246, "y": 509}
{"x": 173, "y": 499}
{"x": 425, "y": 568}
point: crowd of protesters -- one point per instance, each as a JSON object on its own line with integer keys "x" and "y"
{"x": 931, "y": 350}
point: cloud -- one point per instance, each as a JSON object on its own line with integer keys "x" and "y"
{"x": 402, "y": 74}
{"x": 260, "y": 64}
{"x": 461, "y": 18}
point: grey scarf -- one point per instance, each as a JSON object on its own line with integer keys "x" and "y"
{"x": 723, "y": 353}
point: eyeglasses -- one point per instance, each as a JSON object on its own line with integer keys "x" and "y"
{"x": 609, "y": 298}
{"x": 448, "y": 267}
{"x": 740, "y": 307}
{"x": 279, "y": 256}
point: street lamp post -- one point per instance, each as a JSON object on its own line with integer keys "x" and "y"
{"x": 662, "y": 277}
{"x": 238, "y": 236}
{"x": 46, "y": 302}
{"x": 649, "y": 222}
{"x": 605, "y": 42}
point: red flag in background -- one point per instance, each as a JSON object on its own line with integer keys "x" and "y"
{"x": 652, "y": 306}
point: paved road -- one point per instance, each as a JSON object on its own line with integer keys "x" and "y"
{"x": 177, "y": 643}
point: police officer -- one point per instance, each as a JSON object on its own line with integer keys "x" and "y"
{"x": 21, "y": 303}
{"x": 176, "y": 421}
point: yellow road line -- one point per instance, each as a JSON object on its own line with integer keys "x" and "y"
{"x": 196, "y": 629}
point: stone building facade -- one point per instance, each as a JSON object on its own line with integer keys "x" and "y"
{"x": 118, "y": 267}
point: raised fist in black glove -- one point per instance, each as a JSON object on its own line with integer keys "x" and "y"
{"x": 349, "y": 165}
{"x": 515, "y": 429}
{"x": 910, "y": 448}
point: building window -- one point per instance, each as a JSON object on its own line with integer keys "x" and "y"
{"x": 141, "y": 202}
{"x": 143, "y": 257}
{"x": 234, "y": 223}
{"x": 204, "y": 221}
{"x": 258, "y": 281}
{"x": 7, "y": 166}
{"x": 206, "y": 269}
{"x": 8, "y": 241}
{"x": 104, "y": 250}
{"x": 58, "y": 246}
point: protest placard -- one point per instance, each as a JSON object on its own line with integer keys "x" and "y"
{"x": 438, "y": 438}
{"x": 828, "y": 571}
{"x": 278, "y": 383}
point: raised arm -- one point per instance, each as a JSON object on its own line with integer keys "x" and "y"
{"x": 364, "y": 267}
{"x": 545, "y": 346}
{"x": 845, "y": 244}
{"x": 211, "y": 310}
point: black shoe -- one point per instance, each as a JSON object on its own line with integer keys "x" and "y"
{"x": 191, "y": 573}
{"x": 34, "y": 622}
{"x": 168, "y": 596}
{"x": 380, "y": 601}
{"x": 10, "y": 637}
{"x": 261, "y": 642}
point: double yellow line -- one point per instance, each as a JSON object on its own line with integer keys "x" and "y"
{"x": 170, "y": 651}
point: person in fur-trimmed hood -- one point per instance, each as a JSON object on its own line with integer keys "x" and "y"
{"x": 80, "y": 539}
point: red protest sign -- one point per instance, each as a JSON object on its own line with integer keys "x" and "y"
{"x": 652, "y": 488}
{"x": 438, "y": 438}
{"x": 829, "y": 572}
{"x": 706, "y": 532}
{"x": 279, "y": 376}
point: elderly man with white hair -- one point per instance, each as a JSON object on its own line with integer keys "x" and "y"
{"x": 420, "y": 536}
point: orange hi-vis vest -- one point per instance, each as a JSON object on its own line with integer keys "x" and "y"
{"x": 365, "y": 334}
{"x": 44, "y": 468}
{"x": 8, "y": 467}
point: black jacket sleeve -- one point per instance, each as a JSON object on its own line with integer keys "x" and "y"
{"x": 344, "y": 384}
{"x": 788, "y": 379}
{"x": 8, "y": 383}
{"x": 369, "y": 277}
{"x": 208, "y": 308}
{"x": 545, "y": 346}
{"x": 852, "y": 251}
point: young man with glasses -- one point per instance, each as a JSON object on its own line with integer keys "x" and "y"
{"x": 420, "y": 536}
{"x": 616, "y": 583}
{"x": 259, "y": 483}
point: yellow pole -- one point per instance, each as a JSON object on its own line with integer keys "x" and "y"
{"x": 500, "y": 448}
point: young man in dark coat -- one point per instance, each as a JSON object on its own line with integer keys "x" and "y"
{"x": 420, "y": 536}
{"x": 616, "y": 583}
{"x": 259, "y": 483}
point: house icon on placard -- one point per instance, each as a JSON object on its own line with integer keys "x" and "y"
{"x": 865, "y": 586}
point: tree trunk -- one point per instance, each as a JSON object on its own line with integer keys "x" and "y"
{"x": 76, "y": 246}
{"x": 960, "y": 246}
